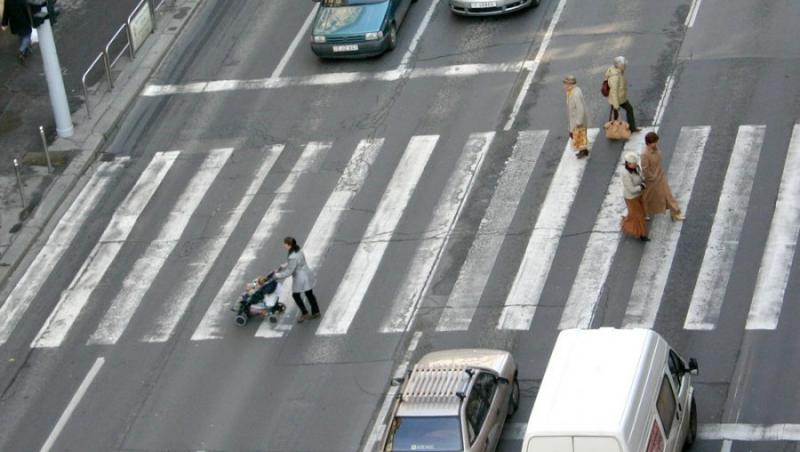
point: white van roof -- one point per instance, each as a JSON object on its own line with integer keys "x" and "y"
{"x": 592, "y": 384}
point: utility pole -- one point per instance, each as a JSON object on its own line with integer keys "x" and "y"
{"x": 44, "y": 13}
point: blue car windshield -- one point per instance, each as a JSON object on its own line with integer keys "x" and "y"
{"x": 354, "y": 19}
{"x": 432, "y": 434}
{"x": 334, "y": 3}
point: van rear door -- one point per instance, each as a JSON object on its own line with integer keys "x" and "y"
{"x": 573, "y": 444}
{"x": 550, "y": 444}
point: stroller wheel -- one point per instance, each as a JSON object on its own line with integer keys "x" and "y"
{"x": 273, "y": 319}
{"x": 241, "y": 320}
{"x": 281, "y": 307}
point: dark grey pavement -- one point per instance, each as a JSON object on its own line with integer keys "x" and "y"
{"x": 305, "y": 392}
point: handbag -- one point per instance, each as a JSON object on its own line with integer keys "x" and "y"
{"x": 605, "y": 90}
{"x": 617, "y": 130}
{"x": 580, "y": 139}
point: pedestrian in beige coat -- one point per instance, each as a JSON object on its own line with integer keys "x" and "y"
{"x": 657, "y": 195}
{"x": 578, "y": 117}
{"x": 618, "y": 92}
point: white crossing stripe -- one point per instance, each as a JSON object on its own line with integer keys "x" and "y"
{"x": 175, "y": 305}
{"x": 211, "y": 326}
{"x": 146, "y": 268}
{"x": 520, "y": 305}
{"x": 776, "y": 263}
{"x": 321, "y": 236}
{"x": 466, "y": 294}
{"x": 76, "y": 296}
{"x": 723, "y": 241}
{"x": 440, "y": 228}
{"x": 601, "y": 249}
{"x": 364, "y": 264}
{"x": 651, "y": 278}
{"x": 58, "y": 242}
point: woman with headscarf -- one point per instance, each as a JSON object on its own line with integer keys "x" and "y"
{"x": 633, "y": 224}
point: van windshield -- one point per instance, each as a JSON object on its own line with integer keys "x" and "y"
{"x": 434, "y": 434}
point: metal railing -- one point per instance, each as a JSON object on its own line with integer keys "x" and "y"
{"x": 106, "y": 57}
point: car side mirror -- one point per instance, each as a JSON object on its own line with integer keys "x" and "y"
{"x": 503, "y": 380}
{"x": 694, "y": 369}
{"x": 399, "y": 380}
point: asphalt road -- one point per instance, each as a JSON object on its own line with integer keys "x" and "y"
{"x": 110, "y": 360}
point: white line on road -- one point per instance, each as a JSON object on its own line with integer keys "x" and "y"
{"x": 664, "y": 101}
{"x": 335, "y": 79}
{"x": 440, "y": 228}
{"x": 692, "y": 16}
{"x": 146, "y": 268}
{"x": 76, "y": 296}
{"x": 177, "y": 302}
{"x": 723, "y": 241}
{"x": 303, "y": 32}
{"x": 58, "y": 242}
{"x": 321, "y": 236}
{"x": 776, "y": 263}
{"x": 535, "y": 65}
{"x": 601, "y": 249}
{"x": 364, "y": 264}
{"x": 520, "y": 305}
{"x": 466, "y": 294}
{"x": 73, "y": 403}
{"x": 657, "y": 259}
{"x": 211, "y": 326}
{"x": 418, "y": 35}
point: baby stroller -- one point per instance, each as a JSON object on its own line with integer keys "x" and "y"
{"x": 260, "y": 299}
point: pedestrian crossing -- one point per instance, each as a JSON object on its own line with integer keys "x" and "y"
{"x": 133, "y": 285}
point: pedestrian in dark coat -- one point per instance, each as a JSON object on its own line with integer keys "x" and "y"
{"x": 618, "y": 92}
{"x": 302, "y": 279}
{"x": 17, "y": 14}
{"x": 633, "y": 223}
{"x": 658, "y": 196}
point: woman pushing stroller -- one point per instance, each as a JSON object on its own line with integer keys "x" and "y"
{"x": 302, "y": 279}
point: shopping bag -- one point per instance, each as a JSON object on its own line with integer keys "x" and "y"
{"x": 34, "y": 36}
{"x": 617, "y": 130}
{"x": 580, "y": 140}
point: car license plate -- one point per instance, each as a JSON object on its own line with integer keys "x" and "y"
{"x": 346, "y": 48}
{"x": 484, "y": 4}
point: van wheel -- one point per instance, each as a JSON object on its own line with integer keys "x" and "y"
{"x": 513, "y": 402}
{"x": 691, "y": 435}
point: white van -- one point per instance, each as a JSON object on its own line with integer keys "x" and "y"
{"x": 613, "y": 390}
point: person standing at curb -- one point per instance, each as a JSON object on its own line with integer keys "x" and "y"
{"x": 633, "y": 184}
{"x": 658, "y": 196}
{"x": 618, "y": 93}
{"x": 17, "y": 15}
{"x": 578, "y": 117}
{"x": 302, "y": 279}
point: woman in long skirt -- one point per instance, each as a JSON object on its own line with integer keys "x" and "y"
{"x": 633, "y": 224}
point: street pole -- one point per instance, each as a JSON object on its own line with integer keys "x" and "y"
{"x": 55, "y": 82}
{"x": 46, "y": 151}
{"x": 19, "y": 183}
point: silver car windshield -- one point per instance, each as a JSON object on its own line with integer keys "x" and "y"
{"x": 434, "y": 434}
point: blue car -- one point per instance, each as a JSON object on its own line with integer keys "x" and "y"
{"x": 357, "y": 28}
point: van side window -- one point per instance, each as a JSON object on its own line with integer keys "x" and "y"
{"x": 666, "y": 405}
{"x": 479, "y": 402}
{"x": 675, "y": 366}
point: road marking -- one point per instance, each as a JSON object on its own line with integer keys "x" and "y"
{"x": 428, "y": 254}
{"x": 73, "y": 403}
{"x": 146, "y": 268}
{"x": 723, "y": 241}
{"x": 321, "y": 236}
{"x": 664, "y": 101}
{"x": 293, "y": 46}
{"x": 526, "y": 85}
{"x": 26, "y": 289}
{"x": 515, "y": 431}
{"x": 76, "y": 296}
{"x": 364, "y": 264}
{"x": 418, "y": 35}
{"x": 211, "y": 326}
{"x": 776, "y": 262}
{"x": 335, "y": 79}
{"x": 466, "y": 294}
{"x": 727, "y": 445}
{"x": 380, "y": 420}
{"x": 692, "y": 16}
{"x": 174, "y": 307}
{"x": 601, "y": 249}
{"x": 520, "y": 305}
{"x": 657, "y": 259}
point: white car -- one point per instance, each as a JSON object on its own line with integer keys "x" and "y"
{"x": 490, "y": 7}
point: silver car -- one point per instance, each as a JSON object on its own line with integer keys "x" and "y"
{"x": 454, "y": 400}
{"x": 490, "y": 7}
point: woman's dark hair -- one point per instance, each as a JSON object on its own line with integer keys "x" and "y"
{"x": 651, "y": 138}
{"x": 292, "y": 243}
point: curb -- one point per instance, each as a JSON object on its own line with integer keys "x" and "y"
{"x": 92, "y": 134}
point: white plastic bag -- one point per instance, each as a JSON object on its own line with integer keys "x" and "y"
{"x": 34, "y": 36}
